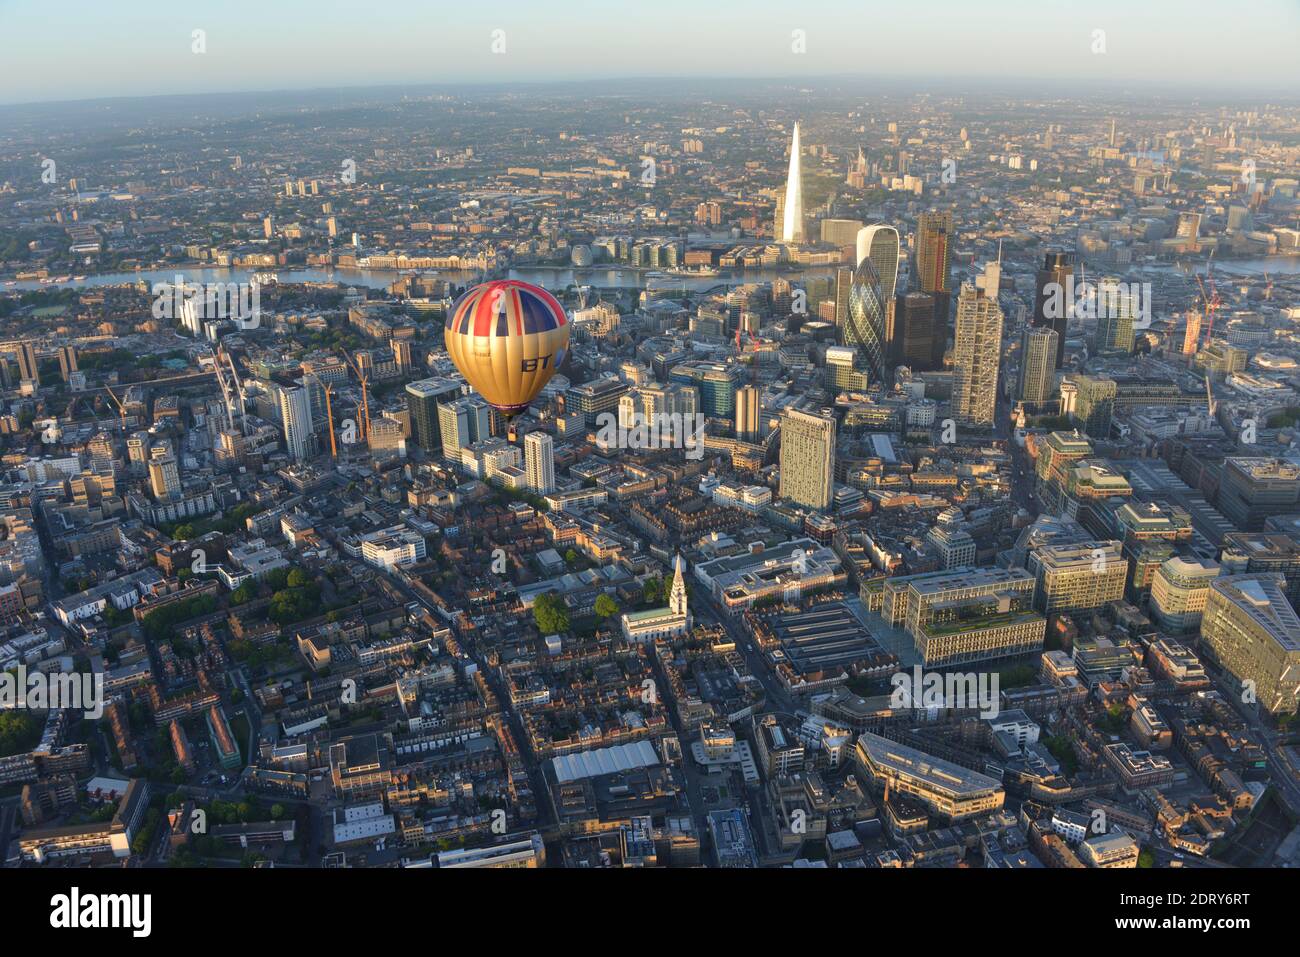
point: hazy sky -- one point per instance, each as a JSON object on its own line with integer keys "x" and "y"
{"x": 78, "y": 49}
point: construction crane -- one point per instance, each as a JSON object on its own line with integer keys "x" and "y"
{"x": 365, "y": 400}
{"x": 239, "y": 392}
{"x": 120, "y": 407}
{"x": 1211, "y": 305}
{"x": 329, "y": 414}
{"x": 226, "y": 400}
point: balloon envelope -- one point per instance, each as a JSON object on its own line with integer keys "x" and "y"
{"x": 507, "y": 338}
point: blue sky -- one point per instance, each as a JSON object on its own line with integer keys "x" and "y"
{"x": 79, "y": 49}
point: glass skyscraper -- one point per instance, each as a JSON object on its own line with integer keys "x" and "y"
{"x": 864, "y": 328}
{"x": 1053, "y": 294}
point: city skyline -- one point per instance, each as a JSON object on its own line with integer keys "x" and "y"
{"x": 828, "y": 472}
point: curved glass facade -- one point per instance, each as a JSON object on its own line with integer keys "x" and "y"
{"x": 864, "y": 326}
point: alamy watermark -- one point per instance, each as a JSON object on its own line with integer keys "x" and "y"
{"x": 193, "y": 303}
{"x": 661, "y": 430}
{"x": 1097, "y": 300}
{"x": 59, "y": 690}
{"x": 957, "y": 689}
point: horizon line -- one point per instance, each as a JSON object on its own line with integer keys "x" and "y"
{"x": 1157, "y": 88}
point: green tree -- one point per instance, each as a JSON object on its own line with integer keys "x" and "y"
{"x": 652, "y": 591}
{"x": 19, "y": 731}
{"x": 606, "y": 607}
{"x": 550, "y": 614}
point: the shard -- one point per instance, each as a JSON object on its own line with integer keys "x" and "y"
{"x": 792, "y": 224}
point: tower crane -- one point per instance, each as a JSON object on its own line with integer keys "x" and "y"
{"x": 226, "y": 400}
{"x": 120, "y": 407}
{"x": 329, "y": 414}
{"x": 243, "y": 408}
{"x": 365, "y": 400}
{"x": 1212, "y": 303}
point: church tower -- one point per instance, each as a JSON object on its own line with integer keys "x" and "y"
{"x": 677, "y": 597}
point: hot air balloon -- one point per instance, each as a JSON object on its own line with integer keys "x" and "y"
{"x": 507, "y": 338}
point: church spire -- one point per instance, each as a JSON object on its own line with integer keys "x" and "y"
{"x": 677, "y": 597}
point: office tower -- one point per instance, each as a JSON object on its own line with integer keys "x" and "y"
{"x": 539, "y": 462}
{"x": 807, "y": 458}
{"x": 164, "y": 477}
{"x": 920, "y": 343}
{"x": 1254, "y": 632}
{"x": 402, "y": 356}
{"x": 864, "y": 328}
{"x": 1192, "y": 334}
{"x": 296, "y": 421}
{"x": 268, "y": 227}
{"x": 990, "y": 280}
{"x": 1094, "y": 403}
{"x": 1037, "y": 365}
{"x": 229, "y": 451}
{"x": 422, "y": 399}
{"x": 590, "y": 399}
{"x": 386, "y": 437}
{"x": 747, "y": 414}
{"x": 840, "y": 232}
{"x": 716, "y": 384}
{"x": 462, "y": 422}
{"x": 842, "y": 372}
{"x": 977, "y": 351}
{"x": 1054, "y": 297}
{"x": 137, "y": 453}
{"x": 1180, "y": 590}
{"x": 933, "y": 273}
{"x": 651, "y": 403}
{"x": 1079, "y": 577}
{"x": 67, "y": 361}
{"x": 843, "y": 288}
{"x": 1189, "y": 226}
{"x": 102, "y": 456}
{"x": 792, "y": 211}
{"x": 934, "y": 241}
{"x": 1116, "y": 311}
{"x": 1253, "y": 488}
{"x": 879, "y": 243}
{"x": 954, "y": 544}
{"x": 28, "y": 368}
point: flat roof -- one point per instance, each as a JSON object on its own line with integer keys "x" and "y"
{"x": 935, "y": 772}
